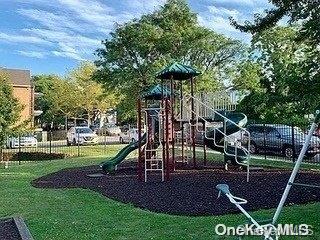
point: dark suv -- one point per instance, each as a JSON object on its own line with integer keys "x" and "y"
{"x": 280, "y": 139}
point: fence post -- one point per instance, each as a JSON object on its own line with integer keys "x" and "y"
{"x": 50, "y": 139}
{"x": 293, "y": 143}
{"x": 78, "y": 143}
{"x": 1, "y": 154}
{"x": 105, "y": 140}
{"x": 264, "y": 142}
{"x": 19, "y": 153}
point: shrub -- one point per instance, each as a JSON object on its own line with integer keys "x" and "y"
{"x": 32, "y": 156}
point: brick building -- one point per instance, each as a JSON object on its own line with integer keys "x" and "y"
{"x": 22, "y": 90}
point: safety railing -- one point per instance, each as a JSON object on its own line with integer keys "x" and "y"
{"x": 220, "y": 101}
{"x": 186, "y": 101}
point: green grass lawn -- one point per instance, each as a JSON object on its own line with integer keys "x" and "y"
{"x": 256, "y": 161}
{"x": 88, "y": 150}
{"x": 73, "y": 151}
{"x": 84, "y": 214}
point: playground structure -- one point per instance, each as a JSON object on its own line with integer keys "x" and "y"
{"x": 172, "y": 118}
{"x": 268, "y": 228}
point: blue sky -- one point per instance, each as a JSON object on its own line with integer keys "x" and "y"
{"x": 54, "y": 36}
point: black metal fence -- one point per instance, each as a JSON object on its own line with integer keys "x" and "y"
{"x": 55, "y": 146}
{"x": 268, "y": 141}
{"x": 282, "y": 142}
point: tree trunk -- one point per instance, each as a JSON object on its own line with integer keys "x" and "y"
{"x": 1, "y": 154}
{"x": 66, "y": 123}
{"x": 89, "y": 120}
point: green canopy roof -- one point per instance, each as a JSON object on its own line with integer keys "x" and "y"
{"x": 155, "y": 93}
{"x": 177, "y": 71}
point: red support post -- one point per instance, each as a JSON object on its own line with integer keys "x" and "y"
{"x": 140, "y": 157}
{"x": 204, "y": 146}
{"x": 192, "y": 127}
{"x": 163, "y": 128}
{"x": 172, "y": 123}
{"x": 167, "y": 138}
{"x": 181, "y": 123}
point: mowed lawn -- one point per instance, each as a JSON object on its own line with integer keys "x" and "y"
{"x": 73, "y": 151}
{"x": 84, "y": 214}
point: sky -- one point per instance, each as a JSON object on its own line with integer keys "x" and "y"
{"x": 53, "y": 36}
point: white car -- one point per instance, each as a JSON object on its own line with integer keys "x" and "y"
{"x": 129, "y": 136}
{"x": 81, "y": 135}
{"x": 27, "y": 140}
{"x": 112, "y": 129}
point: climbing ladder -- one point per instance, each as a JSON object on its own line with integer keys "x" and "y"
{"x": 153, "y": 151}
{"x": 186, "y": 150}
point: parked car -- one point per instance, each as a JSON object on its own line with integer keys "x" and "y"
{"x": 112, "y": 129}
{"x": 130, "y": 135}
{"x": 79, "y": 122}
{"x": 280, "y": 139}
{"x": 27, "y": 140}
{"x": 81, "y": 135}
{"x": 95, "y": 127}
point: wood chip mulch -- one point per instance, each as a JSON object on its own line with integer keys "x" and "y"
{"x": 189, "y": 192}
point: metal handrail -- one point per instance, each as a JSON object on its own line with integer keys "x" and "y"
{"x": 219, "y": 114}
{"x": 216, "y": 129}
{"x": 225, "y": 119}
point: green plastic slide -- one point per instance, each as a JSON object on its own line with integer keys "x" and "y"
{"x": 236, "y": 117}
{"x": 110, "y": 165}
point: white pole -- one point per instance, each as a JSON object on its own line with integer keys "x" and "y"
{"x": 295, "y": 169}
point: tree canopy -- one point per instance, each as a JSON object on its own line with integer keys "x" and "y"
{"x": 288, "y": 88}
{"x": 76, "y": 95}
{"x": 58, "y": 99}
{"x": 306, "y": 13}
{"x": 10, "y": 109}
{"x": 91, "y": 98}
{"x": 136, "y": 50}
{"x": 289, "y": 57}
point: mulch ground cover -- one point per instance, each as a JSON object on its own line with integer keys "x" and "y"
{"x": 8, "y": 230}
{"x": 189, "y": 192}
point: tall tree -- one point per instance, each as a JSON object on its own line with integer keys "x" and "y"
{"x": 73, "y": 96}
{"x": 247, "y": 77}
{"x": 287, "y": 89}
{"x": 306, "y": 13}
{"x": 299, "y": 78}
{"x": 304, "y": 38}
{"x": 92, "y": 100}
{"x": 138, "y": 49}
{"x": 44, "y": 87}
{"x": 59, "y": 98}
{"x": 10, "y": 110}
